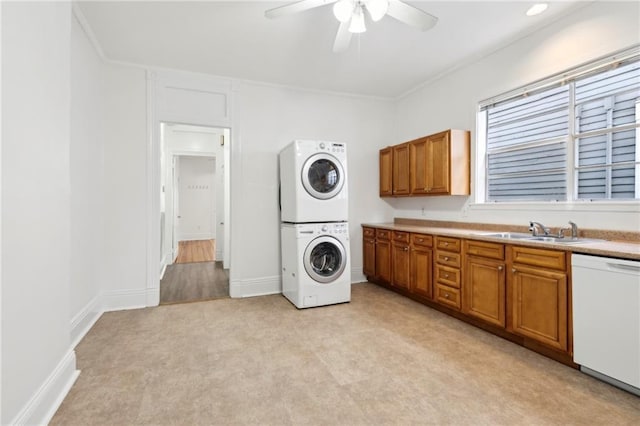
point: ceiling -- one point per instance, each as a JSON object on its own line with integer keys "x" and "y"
{"x": 234, "y": 39}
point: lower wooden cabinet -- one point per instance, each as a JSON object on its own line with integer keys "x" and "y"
{"x": 369, "y": 252}
{"x": 539, "y": 305}
{"x": 485, "y": 290}
{"x": 421, "y": 264}
{"x": 383, "y": 256}
{"x": 539, "y": 296}
{"x": 400, "y": 260}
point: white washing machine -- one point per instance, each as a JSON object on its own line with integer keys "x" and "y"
{"x": 316, "y": 266}
{"x": 313, "y": 182}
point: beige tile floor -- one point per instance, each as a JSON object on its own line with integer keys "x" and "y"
{"x": 381, "y": 359}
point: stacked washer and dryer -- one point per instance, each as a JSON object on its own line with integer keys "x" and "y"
{"x": 316, "y": 267}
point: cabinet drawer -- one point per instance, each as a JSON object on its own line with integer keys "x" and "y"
{"x": 369, "y": 232}
{"x": 449, "y": 244}
{"x": 484, "y": 249}
{"x": 448, "y": 296}
{"x": 448, "y": 276}
{"x": 383, "y": 234}
{"x": 448, "y": 258}
{"x": 539, "y": 257}
{"x": 421, "y": 240}
{"x": 401, "y": 237}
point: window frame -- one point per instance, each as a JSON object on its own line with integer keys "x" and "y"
{"x": 569, "y": 77}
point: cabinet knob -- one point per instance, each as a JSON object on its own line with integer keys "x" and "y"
{"x": 446, "y": 244}
{"x": 446, "y": 295}
{"x": 446, "y": 275}
{"x": 514, "y": 270}
{"x": 406, "y": 249}
{"x": 420, "y": 239}
{"x": 500, "y": 268}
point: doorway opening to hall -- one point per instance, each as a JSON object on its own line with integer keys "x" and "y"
{"x": 194, "y": 208}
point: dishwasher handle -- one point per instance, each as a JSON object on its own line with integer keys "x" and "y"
{"x": 623, "y": 267}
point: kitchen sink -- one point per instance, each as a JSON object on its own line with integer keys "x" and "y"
{"x": 565, "y": 240}
{"x": 508, "y": 235}
{"x": 540, "y": 238}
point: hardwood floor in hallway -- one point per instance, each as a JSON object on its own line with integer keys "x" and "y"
{"x": 189, "y": 282}
{"x": 196, "y": 251}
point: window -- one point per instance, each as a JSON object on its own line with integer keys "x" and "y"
{"x": 570, "y": 137}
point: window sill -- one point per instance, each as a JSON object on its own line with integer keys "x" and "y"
{"x": 578, "y": 206}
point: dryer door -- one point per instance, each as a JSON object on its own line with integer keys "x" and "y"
{"x": 322, "y": 176}
{"x": 325, "y": 259}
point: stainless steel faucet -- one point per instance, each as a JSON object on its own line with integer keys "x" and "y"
{"x": 536, "y": 227}
{"x": 574, "y": 230}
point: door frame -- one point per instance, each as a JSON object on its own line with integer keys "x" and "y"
{"x": 170, "y": 98}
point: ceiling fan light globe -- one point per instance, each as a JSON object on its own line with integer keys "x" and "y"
{"x": 357, "y": 22}
{"x": 377, "y": 9}
{"x": 343, "y": 10}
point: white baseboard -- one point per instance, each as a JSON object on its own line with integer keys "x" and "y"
{"x": 255, "y": 286}
{"x": 153, "y": 296}
{"x": 219, "y": 254}
{"x": 82, "y": 322}
{"x": 44, "y": 403}
{"x": 120, "y": 300}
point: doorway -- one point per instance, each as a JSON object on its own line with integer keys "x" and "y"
{"x": 194, "y": 203}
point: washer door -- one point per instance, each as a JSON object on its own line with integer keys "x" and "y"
{"x": 322, "y": 176}
{"x": 324, "y": 259}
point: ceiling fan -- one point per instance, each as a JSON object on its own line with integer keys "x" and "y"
{"x": 351, "y": 14}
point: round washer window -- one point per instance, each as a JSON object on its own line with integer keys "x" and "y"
{"x": 322, "y": 176}
{"x": 324, "y": 259}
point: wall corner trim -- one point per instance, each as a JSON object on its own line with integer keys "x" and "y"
{"x": 44, "y": 403}
{"x": 82, "y": 322}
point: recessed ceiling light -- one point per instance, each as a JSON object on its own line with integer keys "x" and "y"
{"x": 537, "y": 9}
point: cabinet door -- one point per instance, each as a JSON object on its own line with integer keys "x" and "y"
{"x": 369, "y": 257}
{"x": 439, "y": 163}
{"x": 483, "y": 293}
{"x": 383, "y": 261}
{"x": 421, "y": 264}
{"x": 539, "y": 305}
{"x": 400, "y": 268}
{"x": 386, "y": 172}
{"x": 401, "y": 169}
{"x": 418, "y": 167}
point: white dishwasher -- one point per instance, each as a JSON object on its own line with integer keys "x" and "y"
{"x": 606, "y": 319}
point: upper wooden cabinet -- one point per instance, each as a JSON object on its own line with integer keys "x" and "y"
{"x": 438, "y": 164}
{"x": 386, "y": 172}
{"x": 401, "y": 171}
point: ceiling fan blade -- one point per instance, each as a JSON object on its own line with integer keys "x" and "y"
{"x": 295, "y": 7}
{"x": 343, "y": 38}
{"x": 411, "y": 15}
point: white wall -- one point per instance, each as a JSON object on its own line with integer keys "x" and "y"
{"x": 87, "y": 186}
{"x": 271, "y": 117}
{"x": 38, "y": 364}
{"x": 125, "y": 190}
{"x": 451, "y": 102}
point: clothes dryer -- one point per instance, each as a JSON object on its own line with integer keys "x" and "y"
{"x": 316, "y": 267}
{"x": 313, "y": 182}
